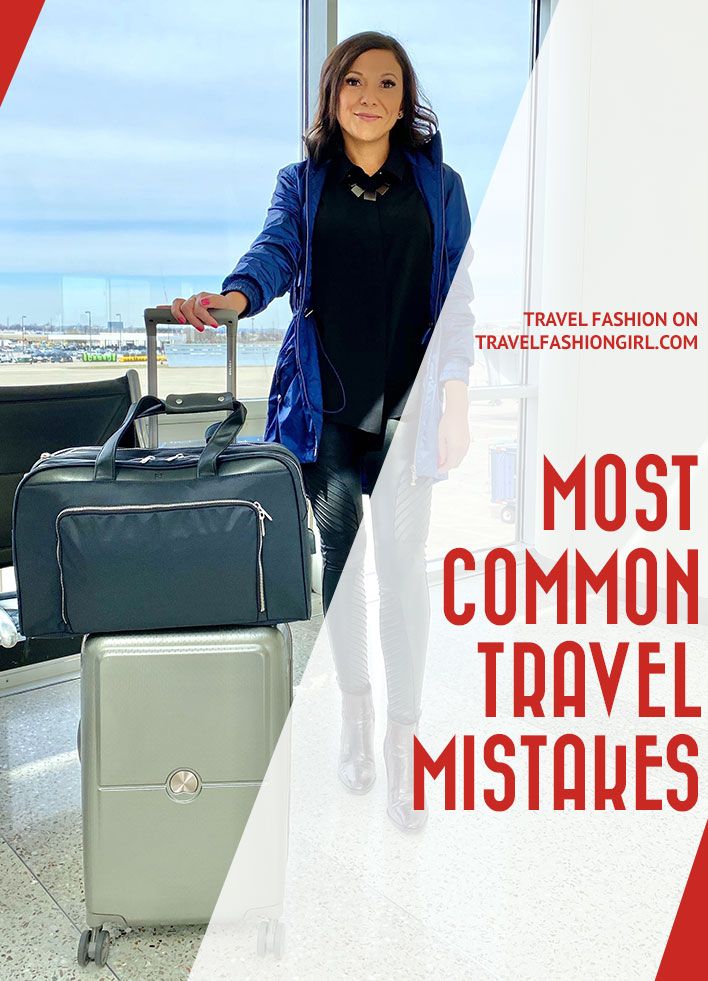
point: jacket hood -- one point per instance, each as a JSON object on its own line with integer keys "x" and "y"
{"x": 433, "y": 148}
{"x": 430, "y": 152}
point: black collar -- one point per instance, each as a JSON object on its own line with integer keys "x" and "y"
{"x": 394, "y": 166}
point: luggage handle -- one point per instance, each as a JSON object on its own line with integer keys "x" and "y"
{"x": 200, "y": 402}
{"x": 155, "y": 316}
{"x": 150, "y": 405}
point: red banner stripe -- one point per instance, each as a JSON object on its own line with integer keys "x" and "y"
{"x": 17, "y": 20}
{"x": 686, "y": 954}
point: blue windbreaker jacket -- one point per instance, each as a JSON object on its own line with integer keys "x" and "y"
{"x": 280, "y": 259}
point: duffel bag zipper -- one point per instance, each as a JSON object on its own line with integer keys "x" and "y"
{"x": 275, "y": 451}
{"x": 262, "y": 515}
{"x": 163, "y": 459}
{"x": 131, "y": 508}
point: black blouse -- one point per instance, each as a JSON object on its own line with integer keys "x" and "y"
{"x": 371, "y": 272}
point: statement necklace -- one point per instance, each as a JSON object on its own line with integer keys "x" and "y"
{"x": 368, "y": 195}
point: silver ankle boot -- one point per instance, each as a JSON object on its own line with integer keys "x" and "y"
{"x": 398, "y": 755}
{"x": 357, "y": 769}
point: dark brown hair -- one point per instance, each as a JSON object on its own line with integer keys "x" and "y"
{"x": 416, "y": 126}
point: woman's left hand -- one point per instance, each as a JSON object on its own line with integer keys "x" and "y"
{"x": 453, "y": 436}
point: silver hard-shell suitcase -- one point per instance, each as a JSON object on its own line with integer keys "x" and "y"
{"x": 177, "y": 731}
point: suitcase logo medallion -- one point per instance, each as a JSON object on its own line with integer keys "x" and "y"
{"x": 183, "y": 785}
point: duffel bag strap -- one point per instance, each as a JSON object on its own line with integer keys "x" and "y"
{"x": 148, "y": 405}
{"x": 223, "y": 437}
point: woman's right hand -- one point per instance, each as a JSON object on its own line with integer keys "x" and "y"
{"x": 195, "y": 309}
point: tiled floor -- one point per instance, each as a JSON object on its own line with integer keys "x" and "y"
{"x": 41, "y": 882}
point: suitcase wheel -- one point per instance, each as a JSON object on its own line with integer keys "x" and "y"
{"x": 93, "y": 946}
{"x": 82, "y": 954}
{"x": 271, "y": 937}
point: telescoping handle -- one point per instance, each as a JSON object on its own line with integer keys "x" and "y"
{"x": 156, "y": 316}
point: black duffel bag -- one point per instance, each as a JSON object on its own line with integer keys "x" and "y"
{"x": 108, "y": 539}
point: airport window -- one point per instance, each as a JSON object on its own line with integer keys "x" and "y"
{"x": 133, "y": 171}
{"x": 131, "y": 175}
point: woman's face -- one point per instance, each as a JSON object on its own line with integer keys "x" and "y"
{"x": 371, "y": 96}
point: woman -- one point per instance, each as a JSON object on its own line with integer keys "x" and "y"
{"x": 366, "y": 233}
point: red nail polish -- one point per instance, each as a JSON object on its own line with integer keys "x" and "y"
{"x": 182, "y": 320}
{"x": 205, "y": 301}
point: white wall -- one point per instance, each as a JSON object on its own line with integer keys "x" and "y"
{"x": 621, "y": 210}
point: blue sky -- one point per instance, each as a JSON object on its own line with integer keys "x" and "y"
{"x": 139, "y": 141}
